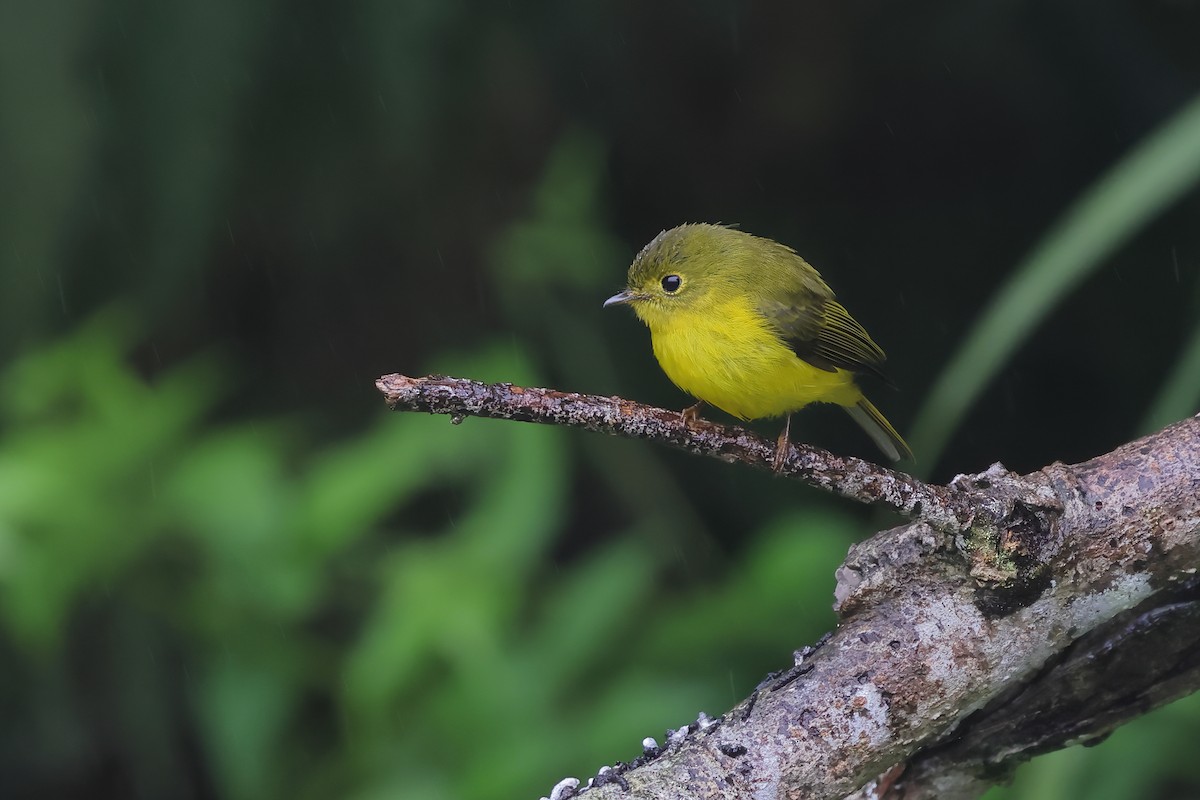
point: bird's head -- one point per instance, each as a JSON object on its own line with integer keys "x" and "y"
{"x": 682, "y": 269}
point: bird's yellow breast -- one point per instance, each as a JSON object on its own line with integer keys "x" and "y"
{"x": 729, "y": 356}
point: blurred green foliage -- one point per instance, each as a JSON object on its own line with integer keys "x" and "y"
{"x": 226, "y": 572}
{"x": 322, "y": 644}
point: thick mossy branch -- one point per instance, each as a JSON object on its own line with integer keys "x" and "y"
{"x": 1016, "y": 614}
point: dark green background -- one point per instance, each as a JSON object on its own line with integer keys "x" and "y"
{"x": 227, "y": 572}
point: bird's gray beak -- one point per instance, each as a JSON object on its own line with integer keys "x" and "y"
{"x": 618, "y": 299}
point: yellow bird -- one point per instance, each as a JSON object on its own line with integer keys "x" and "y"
{"x": 745, "y": 324}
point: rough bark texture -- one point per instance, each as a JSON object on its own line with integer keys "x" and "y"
{"x": 850, "y": 477}
{"x": 1015, "y": 615}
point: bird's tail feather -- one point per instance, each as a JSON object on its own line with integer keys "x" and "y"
{"x": 879, "y": 429}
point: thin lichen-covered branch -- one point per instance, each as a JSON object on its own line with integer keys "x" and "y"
{"x": 1016, "y": 614}
{"x": 847, "y": 476}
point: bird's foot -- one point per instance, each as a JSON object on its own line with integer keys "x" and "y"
{"x": 783, "y": 447}
{"x": 692, "y": 413}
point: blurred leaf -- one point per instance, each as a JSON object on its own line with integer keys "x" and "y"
{"x": 245, "y": 708}
{"x": 466, "y": 581}
{"x": 1135, "y": 190}
{"x": 1179, "y": 396}
{"x": 584, "y": 611}
{"x": 78, "y": 468}
{"x": 232, "y": 494}
{"x": 1152, "y": 756}
{"x": 562, "y": 243}
{"x": 779, "y": 597}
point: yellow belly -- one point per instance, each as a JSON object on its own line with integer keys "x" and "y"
{"x": 734, "y": 361}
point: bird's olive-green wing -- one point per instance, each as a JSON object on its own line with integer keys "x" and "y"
{"x": 821, "y": 331}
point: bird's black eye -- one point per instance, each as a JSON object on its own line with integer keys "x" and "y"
{"x": 671, "y": 284}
